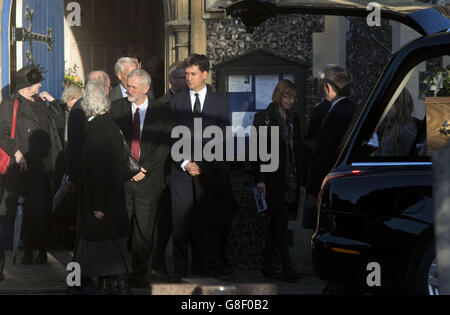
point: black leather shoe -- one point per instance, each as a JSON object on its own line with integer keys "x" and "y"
{"x": 2, "y": 265}
{"x": 122, "y": 287}
{"x": 161, "y": 276}
{"x": 105, "y": 285}
{"x": 138, "y": 281}
{"x": 291, "y": 277}
{"x": 26, "y": 260}
{"x": 270, "y": 274}
{"x": 41, "y": 258}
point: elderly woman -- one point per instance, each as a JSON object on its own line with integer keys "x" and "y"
{"x": 34, "y": 152}
{"x": 69, "y": 97}
{"x": 103, "y": 223}
{"x": 281, "y": 188}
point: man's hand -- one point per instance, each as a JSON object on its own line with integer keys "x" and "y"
{"x": 99, "y": 215}
{"x": 45, "y": 96}
{"x": 262, "y": 188}
{"x": 193, "y": 169}
{"x": 140, "y": 176}
{"x": 21, "y": 162}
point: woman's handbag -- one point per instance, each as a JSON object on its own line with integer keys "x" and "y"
{"x": 5, "y": 159}
{"x": 130, "y": 166}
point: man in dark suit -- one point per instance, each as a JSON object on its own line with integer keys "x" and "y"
{"x": 122, "y": 68}
{"x": 200, "y": 190}
{"x": 146, "y": 126}
{"x": 163, "y": 228}
{"x": 336, "y": 85}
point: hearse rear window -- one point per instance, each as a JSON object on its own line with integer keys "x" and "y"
{"x": 416, "y": 121}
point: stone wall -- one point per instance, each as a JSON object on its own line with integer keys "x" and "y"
{"x": 369, "y": 49}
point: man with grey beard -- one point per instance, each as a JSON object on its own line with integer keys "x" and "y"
{"x": 146, "y": 126}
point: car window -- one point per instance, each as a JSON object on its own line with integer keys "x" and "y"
{"x": 416, "y": 121}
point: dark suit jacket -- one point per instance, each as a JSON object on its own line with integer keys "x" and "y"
{"x": 76, "y": 135}
{"x": 155, "y": 140}
{"x": 115, "y": 93}
{"x": 312, "y": 134}
{"x": 332, "y": 130}
{"x": 215, "y": 177}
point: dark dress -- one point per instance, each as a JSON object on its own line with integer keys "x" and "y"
{"x": 102, "y": 250}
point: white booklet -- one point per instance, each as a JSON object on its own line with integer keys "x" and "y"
{"x": 261, "y": 204}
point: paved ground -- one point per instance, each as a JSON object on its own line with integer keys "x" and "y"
{"x": 51, "y": 279}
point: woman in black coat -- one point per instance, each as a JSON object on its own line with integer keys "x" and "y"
{"x": 103, "y": 223}
{"x": 281, "y": 187}
{"x": 35, "y": 153}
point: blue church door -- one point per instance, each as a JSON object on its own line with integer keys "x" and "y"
{"x": 43, "y": 20}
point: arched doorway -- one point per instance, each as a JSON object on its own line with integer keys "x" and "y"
{"x": 114, "y": 28}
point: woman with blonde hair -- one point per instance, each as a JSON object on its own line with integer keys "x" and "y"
{"x": 400, "y": 130}
{"x": 282, "y": 187}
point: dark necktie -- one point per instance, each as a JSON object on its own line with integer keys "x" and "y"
{"x": 136, "y": 140}
{"x": 197, "y": 107}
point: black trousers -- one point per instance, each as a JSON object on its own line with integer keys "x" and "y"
{"x": 277, "y": 236}
{"x": 191, "y": 228}
{"x": 142, "y": 213}
{"x": 163, "y": 231}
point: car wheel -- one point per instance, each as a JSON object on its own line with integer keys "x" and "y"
{"x": 427, "y": 277}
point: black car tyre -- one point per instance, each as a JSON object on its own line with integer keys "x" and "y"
{"x": 427, "y": 277}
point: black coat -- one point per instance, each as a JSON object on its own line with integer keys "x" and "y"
{"x": 103, "y": 187}
{"x": 276, "y": 181}
{"x": 28, "y": 139}
{"x": 76, "y": 134}
{"x": 332, "y": 130}
{"x": 312, "y": 134}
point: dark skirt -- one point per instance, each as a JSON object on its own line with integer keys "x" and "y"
{"x": 103, "y": 258}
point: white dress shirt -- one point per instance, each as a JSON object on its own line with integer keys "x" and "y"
{"x": 142, "y": 113}
{"x": 123, "y": 90}
{"x": 201, "y": 96}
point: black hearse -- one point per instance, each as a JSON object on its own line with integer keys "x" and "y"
{"x": 374, "y": 208}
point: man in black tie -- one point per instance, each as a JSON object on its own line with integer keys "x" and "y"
{"x": 146, "y": 126}
{"x": 200, "y": 191}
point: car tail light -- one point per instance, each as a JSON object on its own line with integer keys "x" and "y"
{"x": 337, "y": 175}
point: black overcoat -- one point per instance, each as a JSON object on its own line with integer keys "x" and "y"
{"x": 276, "y": 181}
{"x": 103, "y": 187}
{"x": 28, "y": 136}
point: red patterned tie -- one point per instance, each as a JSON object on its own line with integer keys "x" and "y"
{"x": 136, "y": 141}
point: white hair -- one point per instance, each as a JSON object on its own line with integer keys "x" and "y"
{"x": 145, "y": 78}
{"x": 95, "y": 100}
{"x": 99, "y": 76}
{"x": 71, "y": 93}
{"x": 119, "y": 67}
